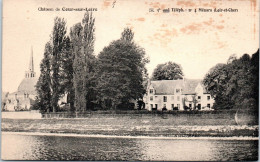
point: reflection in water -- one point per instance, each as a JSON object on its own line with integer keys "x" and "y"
{"x": 27, "y": 147}
{"x": 198, "y": 150}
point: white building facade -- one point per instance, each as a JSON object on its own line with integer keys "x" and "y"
{"x": 177, "y": 95}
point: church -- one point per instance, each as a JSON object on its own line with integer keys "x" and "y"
{"x": 25, "y": 95}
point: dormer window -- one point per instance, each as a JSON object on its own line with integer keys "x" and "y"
{"x": 151, "y": 90}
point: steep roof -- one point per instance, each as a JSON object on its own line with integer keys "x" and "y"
{"x": 190, "y": 86}
{"x": 167, "y": 87}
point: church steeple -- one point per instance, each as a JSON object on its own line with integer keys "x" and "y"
{"x": 31, "y": 66}
{"x": 30, "y": 73}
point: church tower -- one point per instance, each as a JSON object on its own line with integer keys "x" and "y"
{"x": 30, "y": 73}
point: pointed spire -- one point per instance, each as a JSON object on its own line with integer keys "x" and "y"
{"x": 31, "y": 66}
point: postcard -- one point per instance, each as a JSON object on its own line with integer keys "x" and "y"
{"x": 132, "y": 80}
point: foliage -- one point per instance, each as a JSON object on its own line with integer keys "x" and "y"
{"x": 235, "y": 84}
{"x": 58, "y": 43}
{"x": 82, "y": 36}
{"x": 54, "y": 76}
{"x": 194, "y": 101}
{"x": 121, "y": 71}
{"x": 167, "y": 71}
{"x": 67, "y": 57}
{"x": 43, "y": 84}
{"x": 127, "y": 35}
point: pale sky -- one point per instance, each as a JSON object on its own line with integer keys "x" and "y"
{"x": 196, "y": 41}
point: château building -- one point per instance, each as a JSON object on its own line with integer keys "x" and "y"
{"x": 177, "y": 95}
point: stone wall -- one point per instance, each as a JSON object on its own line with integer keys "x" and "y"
{"x": 22, "y": 115}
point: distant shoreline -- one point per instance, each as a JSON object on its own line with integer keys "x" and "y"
{"x": 131, "y": 137}
{"x": 134, "y": 126}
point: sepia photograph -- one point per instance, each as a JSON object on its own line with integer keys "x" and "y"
{"x": 130, "y": 80}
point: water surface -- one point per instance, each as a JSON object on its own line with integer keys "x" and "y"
{"x": 39, "y": 147}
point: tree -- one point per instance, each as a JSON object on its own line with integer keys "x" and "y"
{"x": 67, "y": 58}
{"x": 50, "y": 85}
{"x": 43, "y": 90}
{"x": 121, "y": 70}
{"x": 88, "y": 23}
{"x": 194, "y": 101}
{"x": 82, "y": 36}
{"x": 184, "y": 100}
{"x": 234, "y": 85}
{"x": 127, "y": 35}
{"x": 57, "y": 43}
{"x": 255, "y": 79}
{"x": 167, "y": 71}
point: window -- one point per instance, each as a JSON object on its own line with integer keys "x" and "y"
{"x": 178, "y": 105}
{"x": 208, "y": 97}
{"x": 172, "y": 105}
{"x": 156, "y": 106}
{"x": 151, "y": 106}
{"x": 151, "y": 90}
{"x": 151, "y": 98}
{"x": 178, "y": 98}
{"x": 199, "y": 106}
{"x": 164, "y": 105}
{"x": 208, "y": 105}
{"x": 177, "y": 90}
{"x": 199, "y": 97}
{"x": 164, "y": 98}
{"x": 189, "y": 105}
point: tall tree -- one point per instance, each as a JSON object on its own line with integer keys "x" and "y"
{"x": 121, "y": 71}
{"x": 82, "y": 36}
{"x": 66, "y": 71}
{"x": 167, "y": 71}
{"x": 78, "y": 66}
{"x": 88, "y": 24}
{"x": 57, "y": 41}
{"x": 43, "y": 90}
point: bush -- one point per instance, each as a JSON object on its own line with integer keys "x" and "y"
{"x": 164, "y": 109}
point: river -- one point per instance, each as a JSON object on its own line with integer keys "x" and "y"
{"x": 42, "y": 147}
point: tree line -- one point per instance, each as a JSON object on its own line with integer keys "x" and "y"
{"x": 110, "y": 80}
{"x": 234, "y": 85}
{"x": 117, "y": 75}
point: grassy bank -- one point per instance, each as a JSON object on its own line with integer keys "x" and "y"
{"x": 141, "y": 125}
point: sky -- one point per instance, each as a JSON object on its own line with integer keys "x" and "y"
{"x": 195, "y": 40}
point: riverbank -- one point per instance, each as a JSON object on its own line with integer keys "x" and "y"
{"x": 128, "y": 137}
{"x": 155, "y": 126}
